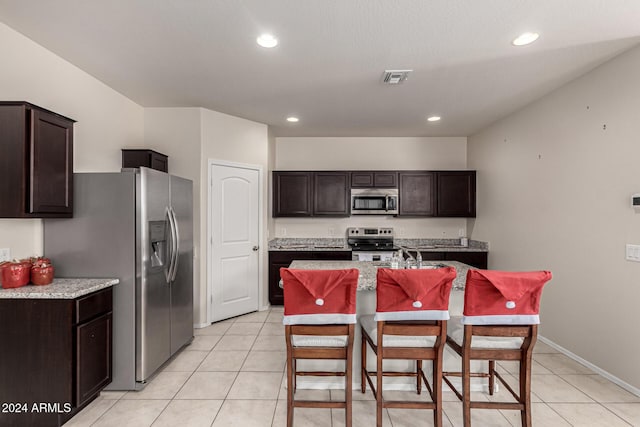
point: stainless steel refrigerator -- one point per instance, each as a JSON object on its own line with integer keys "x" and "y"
{"x": 137, "y": 226}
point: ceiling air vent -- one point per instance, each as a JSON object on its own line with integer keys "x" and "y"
{"x": 395, "y": 77}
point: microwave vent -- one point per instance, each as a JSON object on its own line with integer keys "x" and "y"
{"x": 395, "y": 77}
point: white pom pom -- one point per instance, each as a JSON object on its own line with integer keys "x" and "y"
{"x": 319, "y": 301}
{"x": 417, "y": 304}
{"x": 510, "y": 304}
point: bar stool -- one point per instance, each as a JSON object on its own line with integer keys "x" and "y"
{"x": 410, "y": 323}
{"x": 319, "y": 319}
{"x": 500, "y": 322}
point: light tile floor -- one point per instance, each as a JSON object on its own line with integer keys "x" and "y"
{"x": 233, "y": 374}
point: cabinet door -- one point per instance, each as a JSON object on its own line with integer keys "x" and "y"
{"x": 331, "y": 194}
{"x": 93, "y": 355}
{"x": 276, "y": 294}
{"x": 474, "y": 259}
{"x": 51, "y": 152}
{"x": 361, "y": 179}
{"x": 332, "y": 255}
{"x": 382, "y": 179}
{"x": 278, "y": 259}
{"x": 432, "y": 256}
{"x": 416, "y": 193}
{"x": 385, "y": 179}
{"x": 292, "y": 194}
{"x": 456, "y": 194}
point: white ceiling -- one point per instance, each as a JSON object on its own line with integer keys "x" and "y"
{"x": 327, "y": 68}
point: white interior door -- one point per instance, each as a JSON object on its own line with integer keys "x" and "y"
{"x": 235, "y": 220}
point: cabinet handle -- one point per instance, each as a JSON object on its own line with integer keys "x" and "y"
{"x": 255, "y": 248}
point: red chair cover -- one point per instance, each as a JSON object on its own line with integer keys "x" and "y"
{"x": 319, "y": 296}
{"x": 421, "y": 294}
{"x": 503, "y": 297}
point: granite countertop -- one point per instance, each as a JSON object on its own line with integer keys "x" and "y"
{"x": 368, "y": 270}
{"x": 59, "y": 289}
{"x": 340, "y": 244}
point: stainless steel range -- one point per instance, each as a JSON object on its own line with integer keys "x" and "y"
{"x": 371, "y": 244}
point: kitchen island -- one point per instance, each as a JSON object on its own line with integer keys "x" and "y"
{"x": 56, "y": 353}
{"x": 366, "y": 304}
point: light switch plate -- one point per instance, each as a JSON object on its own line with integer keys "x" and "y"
{"x": 5, "y": 254}
{"x": 633, "y": 253}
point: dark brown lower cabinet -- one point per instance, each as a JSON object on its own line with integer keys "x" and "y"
{"x": 474, "y": 259}
{"x": 55, "y": 358}
{"x": 279, "y": 259}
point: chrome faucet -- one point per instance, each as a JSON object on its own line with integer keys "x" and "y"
{"x": 417, "y": 260}
{"x": 406, "y": 251}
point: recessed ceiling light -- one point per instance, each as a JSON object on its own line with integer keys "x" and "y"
{"x": 293, "y": 119}
{"x": 267, "y": 40}
{"x": 433, "y": 119}
{"x": 525, "y": 39}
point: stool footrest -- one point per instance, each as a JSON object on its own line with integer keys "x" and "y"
{"x": 497, "y": 405}
{"x": 408, "y": 404}
{"x": 318, "y": 404}
{"x": 319, "y": 374}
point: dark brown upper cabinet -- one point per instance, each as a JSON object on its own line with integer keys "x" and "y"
{"x": 292, "y": 194}
{"x": 297, "y": 193}
{"x": 379, "y": 179}
{"x": 36, "y": 165}
{"x": 416, "y": 193}
{"x": 331, "y": 195}
{"x": 456, "y": 194}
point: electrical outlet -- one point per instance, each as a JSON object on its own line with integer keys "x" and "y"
{"x": 5, "y": 254}
{"x": 332, "y": 231}
{"x": 460, "y": 232}
{"x": 633, "y": 253}
{"x": 284, "y": 231}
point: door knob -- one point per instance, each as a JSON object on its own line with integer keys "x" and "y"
{"x": 255, "y": 248}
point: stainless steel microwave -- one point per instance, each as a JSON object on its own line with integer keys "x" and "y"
{"x": 374, "y": 201}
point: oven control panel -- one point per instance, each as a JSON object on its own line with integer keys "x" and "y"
{"x": 368, "y": 232}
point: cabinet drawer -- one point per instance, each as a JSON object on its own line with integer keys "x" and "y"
{"x": 93, "y": 305}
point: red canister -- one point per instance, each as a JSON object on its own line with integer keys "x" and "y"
{"x": 15, "y": 274}
{"x": 42, "y": 274}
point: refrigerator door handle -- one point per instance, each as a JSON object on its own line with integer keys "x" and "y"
{"x": 169, "y": 255}
{"x": 172, "y": 245}
{"x": 176, "y": 252}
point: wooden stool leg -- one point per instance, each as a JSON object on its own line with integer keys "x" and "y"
{"x": 492, "y": 376}
{"x": 295, "y": 377}
{"x": 525, "y": 390}
{"x": 418, "y": 377}
{"x": 437, "y": 390}
{"x": 466, "y": 377}
{"x": 379, "y": 386}
{"x": 290, "y": 378}
{"x": 363, "y": 365}
{"x": 348, "y": 381}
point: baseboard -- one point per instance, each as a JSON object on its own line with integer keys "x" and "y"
{"x": 596, "y": 369}
{"x": 200, "y": 325}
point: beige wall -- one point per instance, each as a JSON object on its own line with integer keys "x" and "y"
{"x": 176, "y": 132}
{"x": 106, "y": 120}
{"x": 427, "y": 153}
{"x": 554, "y": 193}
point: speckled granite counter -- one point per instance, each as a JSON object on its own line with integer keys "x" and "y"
{"x": 368, "y": 270}
{"x": 308, "y": 244}
{"x": 59, "y": 289}
{"x": 340, "y": 244}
